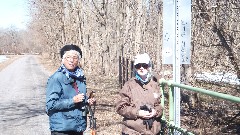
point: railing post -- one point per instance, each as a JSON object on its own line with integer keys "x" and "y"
{"x": 164, "y": 120}
{"x": 171, "y": 107}
{"x": 162, "y": 100}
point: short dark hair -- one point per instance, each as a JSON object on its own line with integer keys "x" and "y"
{"x": 70, "y": 47}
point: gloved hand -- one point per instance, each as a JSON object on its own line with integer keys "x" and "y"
{"x": 148, "y": 114}
{"x": 144, "y": 114}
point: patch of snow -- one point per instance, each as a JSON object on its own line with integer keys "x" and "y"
{"x": 218, "y": 77}
{"x": 3, "y": 58}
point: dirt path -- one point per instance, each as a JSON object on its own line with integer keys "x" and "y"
{"x": 22, "y": 95}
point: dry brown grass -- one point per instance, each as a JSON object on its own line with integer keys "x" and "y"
{"x": 108, "y": 121}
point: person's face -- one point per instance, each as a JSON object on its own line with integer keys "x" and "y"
{"x": 70, "y": 60}
{"x": 142, "y": 68}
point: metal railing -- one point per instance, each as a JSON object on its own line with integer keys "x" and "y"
{"x": 171, "y": 85}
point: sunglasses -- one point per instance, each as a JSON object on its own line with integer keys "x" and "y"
{"x": 139, "y": 65}
{"x": 69, "y": 58}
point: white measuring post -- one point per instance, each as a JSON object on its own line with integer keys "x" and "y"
{"x": 176, "y": 43}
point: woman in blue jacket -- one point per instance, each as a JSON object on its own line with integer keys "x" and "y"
{"x": 66, "y": 98}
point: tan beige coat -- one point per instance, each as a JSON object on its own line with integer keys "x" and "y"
{"x": 132, "y": 96}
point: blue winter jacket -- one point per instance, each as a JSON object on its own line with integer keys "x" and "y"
{"x": 64, "y": 114}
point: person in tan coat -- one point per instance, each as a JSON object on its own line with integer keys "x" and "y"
{"x": 139, "y": 101}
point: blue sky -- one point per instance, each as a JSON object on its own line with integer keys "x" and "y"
{"x": 13, "y": 13}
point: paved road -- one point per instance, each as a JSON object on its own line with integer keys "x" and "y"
{"x": 22, "y": 98}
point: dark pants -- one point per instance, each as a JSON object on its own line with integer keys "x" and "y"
{"x": 66, "y": 133}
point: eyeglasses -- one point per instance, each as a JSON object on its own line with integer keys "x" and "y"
{"x": 74, "y": 58}
{"x": 139, "y": 65}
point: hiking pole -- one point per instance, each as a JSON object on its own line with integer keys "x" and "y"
{"x": 92, "y": 119}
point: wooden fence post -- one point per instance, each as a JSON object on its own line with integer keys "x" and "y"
{"x": 124, "y": 71}
{"x": 120, "y": 71}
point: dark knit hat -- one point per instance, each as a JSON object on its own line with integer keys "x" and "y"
{"x": 68, "y": 48}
